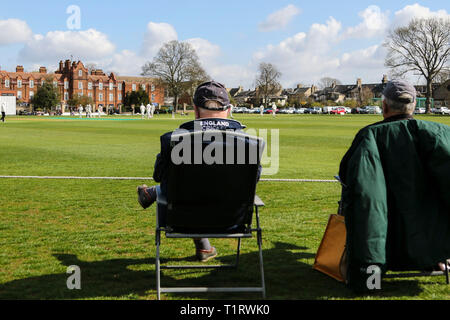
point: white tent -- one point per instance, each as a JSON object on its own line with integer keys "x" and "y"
{"x": 10, "y": 102}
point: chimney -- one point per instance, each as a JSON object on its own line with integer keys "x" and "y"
{"x": 299, "y": 86}
{"x": 313, "y": 89}
{"x": 359, "y": 83}
{"x": 19, "y": 69}
{"x": 44, "y": 69}
{"x": 61, "y": 66}
{"x": 385, "y": 79}
{"x": 67, "y": 65}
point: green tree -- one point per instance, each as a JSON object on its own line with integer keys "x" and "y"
{"x": 46, "y": 97}
{"x": 135, "y": 98}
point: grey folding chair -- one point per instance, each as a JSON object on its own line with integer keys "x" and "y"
{"x": 214, "y": 200}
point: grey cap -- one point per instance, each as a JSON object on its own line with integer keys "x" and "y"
{"x": 401, "y": 91}
{"x": 214, "y": 91}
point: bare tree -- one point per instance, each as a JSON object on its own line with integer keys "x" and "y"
{"x": 442, "y": 76}
{"x": 327, "y": 82}
{"x": 422, "y": 47}
{"x": 176, "y": 65}
{"x": 91, "y": 67}
{"x": 267, "y": 81}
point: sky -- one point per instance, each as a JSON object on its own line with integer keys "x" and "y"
{"x": 304, "y": 40}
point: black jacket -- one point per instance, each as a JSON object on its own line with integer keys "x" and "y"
{"x": 163, "y": 158}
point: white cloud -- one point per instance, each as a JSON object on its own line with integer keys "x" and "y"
{"x": 155, "y": 36}
{"x": 305, "y": 55}
{"x": 375, "y": 23}
{"x": 403, "y": 17}
{"x": 126, "y": 63}
{"x": 83, "y": 45}
{"x": 210, "y": 54}
{"x": 14, "y": 31}
{"x": 279, "y": 19}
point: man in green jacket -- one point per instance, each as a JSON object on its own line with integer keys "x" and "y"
{"x": 395, "y": 197}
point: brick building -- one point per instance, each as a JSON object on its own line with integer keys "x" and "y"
{"x": 73, "y": 78}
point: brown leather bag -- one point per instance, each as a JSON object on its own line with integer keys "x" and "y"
{"x": 331, "y": 255}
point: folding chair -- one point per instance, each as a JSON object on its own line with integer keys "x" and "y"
{"x": 211, "y": 200}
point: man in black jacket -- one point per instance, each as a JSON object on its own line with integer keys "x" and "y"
{"x": 212, "y": 106}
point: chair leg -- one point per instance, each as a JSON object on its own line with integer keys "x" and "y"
{"x": 261, "y": 264}
{"x": 157, "y": 264}
{"x": 446, "y": 272}
{"x": 238, "y": 252}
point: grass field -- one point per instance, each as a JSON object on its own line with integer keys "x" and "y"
{"x": 48, "y": 225}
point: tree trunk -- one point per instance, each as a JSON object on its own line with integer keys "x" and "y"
{"x": 175, "y": 101}
{"x": 429, "y": 95}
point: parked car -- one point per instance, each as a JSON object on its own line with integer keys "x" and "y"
{"x": 372, "y": 109}
{"x": 328, "y": 109}
{"x": 338, "y": 111}
{"x": 300, "y": 111}
{"x": 443, "y": 110}
{"x": 316, "y": 110}
{"x": 420, "y": 111}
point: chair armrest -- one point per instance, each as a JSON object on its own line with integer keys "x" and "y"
{"x": 258, "y": 202}
{"x": 160, "y": 199}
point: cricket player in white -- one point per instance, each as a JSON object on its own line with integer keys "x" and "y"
{"x": 153, "y": 110}
{"x": 149, "y": 111}
{"x": 3, "y": 111}
{"x": 100, "y": 110}
{"x": 80, "y": 111}
{"x": 274, "y": 110}
{"x": 89, "y": 111}
{"x": 261, "y": 110}
{"x": 142, "y": 111}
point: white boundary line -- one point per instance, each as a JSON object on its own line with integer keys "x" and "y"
{"x": 145, "y": 178}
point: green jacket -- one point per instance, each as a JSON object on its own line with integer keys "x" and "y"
{"x": 396, "y": 197}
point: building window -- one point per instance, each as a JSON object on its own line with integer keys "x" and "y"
{"x": 111, "y": 86}
{"x": 153, "y": 87}
{"x": 19, "y": 83}
{"x": 119, "y": 97}
{"x": 19, "y": 94}
{"x": 7, "y": 83}
{"x": 100, "y": 97}
{"x": 55, "y": 84}
{"x": 90, "y": 94}
{"x": 143, "y": 87}
{"x": 100, "y": 86}
{"x": 66, "y": 85}
{"x": 31, "y": 94}
{"x": 133, "y": 87}
{"x": 89, "y": 85}
{"x": 111, "y": 97}
{"x": 119, "y": 86}
{"x": 42, "y": 82}
{"x": 153, "y": 97}
{"x": 80, "y": 73}
{"x": 31, "y": 84}
{"x": 66, "y": 96}
{"x": 80, "y": 85}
